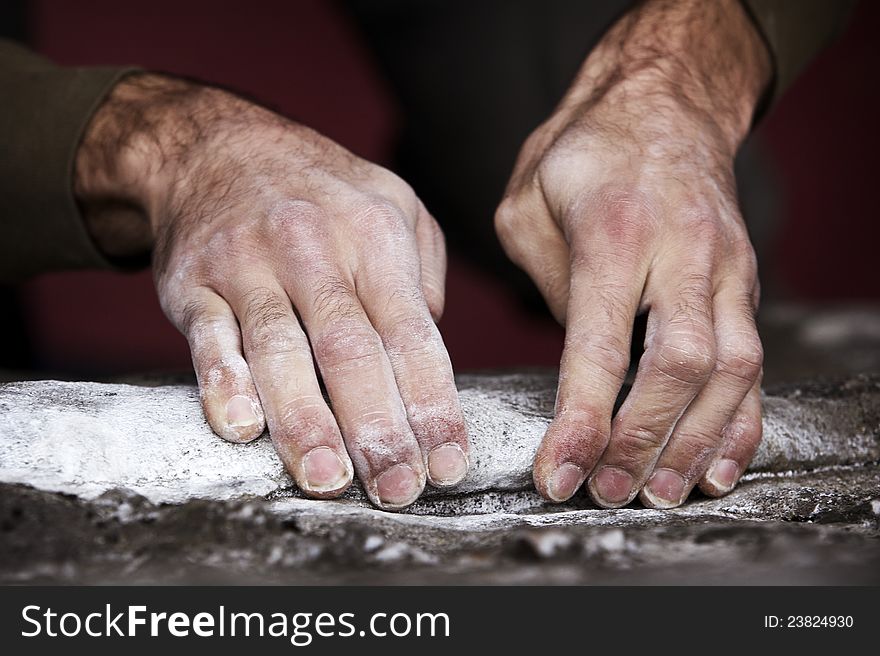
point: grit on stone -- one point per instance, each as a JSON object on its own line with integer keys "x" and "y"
{"x": 117, "y": 470}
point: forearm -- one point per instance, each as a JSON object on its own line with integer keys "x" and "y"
{"x": 155, "y": 143}
{"x": 703, "y": 58}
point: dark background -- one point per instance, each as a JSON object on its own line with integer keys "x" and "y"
{"x": 813, "y": 167}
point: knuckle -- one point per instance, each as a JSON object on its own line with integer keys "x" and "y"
{"x": 687, "y": 357}
{"x": 346, "y": 347}
{"x": 627, "y": 218}
{"x": 304, "y": 416}
{"x": 636, "y": 445}
{"x": 745, "y": 429}
{"x": 693, "y": 451}
{"x": 607, "y": 353}
{"x": 372, "y": 421}
{"x": 410, "y": 335}
{"x": 381, "y": 218}
{"x": 301, "y": 229}
{"x": 741, "y": 357}
{"x": 228, "y": 241}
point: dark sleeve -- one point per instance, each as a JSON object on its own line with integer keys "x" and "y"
{"x": 796, "y": 31}
{"x": 43, "y": 114}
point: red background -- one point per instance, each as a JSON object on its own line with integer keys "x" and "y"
{"x": 305, "y": 59}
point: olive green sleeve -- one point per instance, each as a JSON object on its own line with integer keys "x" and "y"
{"x": 43, "y": 114}
{"x": 796, "y": 31}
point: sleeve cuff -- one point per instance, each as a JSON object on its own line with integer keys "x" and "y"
{"x": 47, "y": 109}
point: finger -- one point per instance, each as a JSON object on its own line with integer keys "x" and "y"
{"x": 301, "y": 425}
{"x": 227, "y": 390}
{"x": 698, "y": 434}
{"x": 606, "y": 286}
{"x": 678, "y": 360}
{"x": 393, "y": 300}
{"x": 742, "y": 435}
{"x": 361, "y": 385}
{"x": 432, "y": 254}
{"x": 539, "y": 248}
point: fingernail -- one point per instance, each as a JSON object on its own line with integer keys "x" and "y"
{"x": 565, "y": 481}
{"x": 612, "y": 486}
{"x": 447, "y": 464}
{"x": 240, "y": 412}
{"x": 665, "y": 488}
{"x": 398, "y": 486}
{"x": 724, "y": 474}
{"x": 324, "y": 470}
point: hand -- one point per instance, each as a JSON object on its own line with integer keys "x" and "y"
{"x": 624, "y": 202}
{"x": 275, "y": 251}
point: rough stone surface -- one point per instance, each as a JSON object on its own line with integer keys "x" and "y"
{"x": 88, "y": 438}
{"x": 134, "y": 487}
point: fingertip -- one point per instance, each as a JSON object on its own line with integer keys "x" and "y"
{"x": 447, "y": 465}
{"x": 664, "y": 490}
{"x": 243, "y": 434}
{"x": 398, "y": 487}
{"x": 721, "y": 478}
{"x": 324, "y": 473}
{"x": 652, "y": 500}
{"x": 240, "y": 421}
{"x": 567, "y": 453}
{"x": 611, "y": 487}
{"x": 564, "y": 482}
{"x": 542, "y": 470}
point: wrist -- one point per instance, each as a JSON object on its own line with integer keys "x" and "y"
{"x": 702, "y": 58}
{"x": 132, "y": 155}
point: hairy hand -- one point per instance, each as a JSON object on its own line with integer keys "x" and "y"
{"x": 624, "y": 202}
{"x": 277, "y": 252}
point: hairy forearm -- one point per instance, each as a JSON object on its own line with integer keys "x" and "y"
{"x": 110, "y": 173}
{"x": 706, "y": 57}
{"x": 138, "y": 151}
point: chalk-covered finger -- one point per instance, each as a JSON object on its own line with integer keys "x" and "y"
{"x": 363, "y": 391}
{"x": 742, "y": 436}
{"x": 608, "y": 267}
{"x": 679, "y": 358}
{"x": 697, "y": 436}
{"x": 229, "y": 397}
{"x": 388, "y": 287}
{"x": 302, "y": 428}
